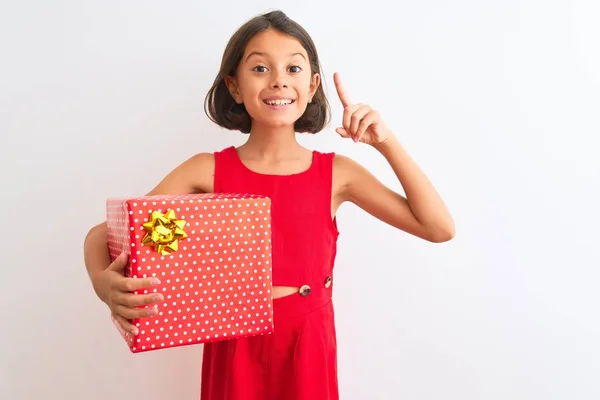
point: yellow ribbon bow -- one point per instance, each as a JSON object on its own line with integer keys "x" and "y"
{"x": 163, "y": 231}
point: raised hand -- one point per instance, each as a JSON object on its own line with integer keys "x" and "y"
{"x": 360, "y": 122}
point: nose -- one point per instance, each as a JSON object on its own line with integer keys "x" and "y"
{"x": 278, "y": 80}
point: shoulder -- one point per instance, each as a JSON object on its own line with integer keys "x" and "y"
{"x": 198, "y": 163}
{"x": 202, "y": 159}
{"x": 343, "y": 167}
{"x": 346, "y": 167}
{"x": 344, "y": 162}
{"x": 209, "y": 160}
{"x": 350, "y": 177}
{"x": 195, "y": 174}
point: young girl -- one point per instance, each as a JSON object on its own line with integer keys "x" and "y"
{"x": 269, "y": 86}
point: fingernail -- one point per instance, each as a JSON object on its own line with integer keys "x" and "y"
{"x": 153, "y": 310}
{"x": 157, "y": 297}
{"x": 134, "y": 331}
{"x": 155, "y": 281}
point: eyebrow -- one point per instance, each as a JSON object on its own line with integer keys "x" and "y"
{"x": 258, "y": 53}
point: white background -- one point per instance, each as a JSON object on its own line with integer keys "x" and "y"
{"x": 498, "y": 102}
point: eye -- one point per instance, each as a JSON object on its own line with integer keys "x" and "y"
{"x": 258, "y": 67}
{"x": 295, "y": 66}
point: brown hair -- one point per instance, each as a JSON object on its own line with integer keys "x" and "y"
{"x": 221, "y": 107}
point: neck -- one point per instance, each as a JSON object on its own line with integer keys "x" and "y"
{"x": 271, "y": 143}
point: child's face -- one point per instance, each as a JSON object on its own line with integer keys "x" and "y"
{"x": 274, "y": 80}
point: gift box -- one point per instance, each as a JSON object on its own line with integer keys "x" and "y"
{"x": 212, "y": 254}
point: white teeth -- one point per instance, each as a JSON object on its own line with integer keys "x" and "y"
{"x": 279, "y": 102}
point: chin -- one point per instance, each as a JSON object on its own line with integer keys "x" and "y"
{"x": 271, "y": 122}
{"x": 278, "y": 124}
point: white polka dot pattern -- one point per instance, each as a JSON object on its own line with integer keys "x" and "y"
{"x": 217, "y": 284}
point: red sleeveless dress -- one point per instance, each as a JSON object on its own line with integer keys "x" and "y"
{"x": 298, "y": 361}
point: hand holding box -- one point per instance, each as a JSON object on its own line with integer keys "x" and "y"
{"x": 212, "y": 254}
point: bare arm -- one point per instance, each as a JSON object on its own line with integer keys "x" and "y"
{"x": 421, "y": 213}
{"x": 96, "y": 256}
{"x": 195, "y": 175}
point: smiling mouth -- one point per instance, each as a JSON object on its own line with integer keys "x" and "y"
{"x": 279, "y": 102}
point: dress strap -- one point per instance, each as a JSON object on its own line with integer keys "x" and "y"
{"x": 224, "y": 167}
{"x": 322, "y": 179}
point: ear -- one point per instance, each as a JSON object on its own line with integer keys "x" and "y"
{"x": 234, "y": 90}
{"x": 314, "y": 85}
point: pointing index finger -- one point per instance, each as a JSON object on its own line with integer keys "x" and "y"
{"x": 343, "y": 95}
